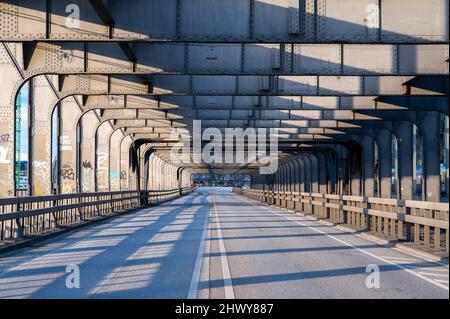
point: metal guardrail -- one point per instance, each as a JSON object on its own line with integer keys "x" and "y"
{"x": 423, "y": 223}
{"x": 27, "y": 216}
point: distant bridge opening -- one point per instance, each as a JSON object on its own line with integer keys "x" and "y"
{"x": 222, "y": 180}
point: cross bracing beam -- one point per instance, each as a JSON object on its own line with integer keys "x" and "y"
{"x": 171, "y": 124}
{"x": 292, "y": 142}
{"x": 232, "y": 21}
{"x": 237, "y": 115}
{"x": 276, "y": 85}
{"x": 282, "y": 138}
{"x": 166, "y": 132}
{"x": 186, "y": 123}
{"x": 285, "y": 136}
{"x": 234, "y": 59}
{"x": 266, "y": 103}
{"x": 104, "y": 86}
{"x": 427, "y": 85}
{"x": 276, "y": 118}
{"x": 288, "y": 135}
{"x": 185, "y": 85}
{"x": 287, "y": 153}
{"x": 286, "y": 114}
{"x": 328, "y": 73}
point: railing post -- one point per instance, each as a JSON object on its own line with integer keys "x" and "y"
{"x": 80, "y": 209}
{"x": 111, "y": 197}
{"x": 366, "y": 213}
{"x": 19, "y": 224}
{"x": 446, "y": 241}
{"x": 146, "y": 198}
{"x": 54, "y": 214}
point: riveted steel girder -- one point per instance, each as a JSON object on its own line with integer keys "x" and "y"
{"x": 231, "y": 21}
{"x": 235, "y": 59}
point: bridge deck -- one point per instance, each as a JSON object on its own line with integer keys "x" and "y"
{"x": 216, "y": 246}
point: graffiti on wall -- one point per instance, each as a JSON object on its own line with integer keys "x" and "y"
{"x": 65, "y": 143}
{"x": 4, "y": 149}
{"x": 67, "y": 188}
{"x": 124, "y": 179}
{"x": 4, "y": 155}
{"x": 5, "y": 138}
{"x": 102, "y": 170}
{"x": 115, "y": 179}
{"x": 41, "y": 171}
{"x": 87, "y": 164}
{"x": 86, "y": 178}
{"x": 102, "y": 161}
{"x": 114, "y": 174}
{"x": 68, "y": 175}
{"x": 67, "y": 172}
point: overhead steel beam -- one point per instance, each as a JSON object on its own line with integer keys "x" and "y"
{"x": 239, "y": 21}
{"x": 185, "y": 85}
{"x": 249, "y": 115}
{"x": 427, "y": 85}
{"x": 279, "y": 103}
{"x": 276, "y": 85}
{"x": 283, "y": 126}
{"x": 233, "y": 59}
{"x": 108, "y": 20}
{"x": 102, "y": 12}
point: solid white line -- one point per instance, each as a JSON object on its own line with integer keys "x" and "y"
{"x": 398, "y": 259}
{"x": 433, "y": 274}
{"x": 443, "y": 281}
{"x": 358, "y": 249}
{"x": 228, "y": 284}
{"x": 433, "y": 269}
{"x": 421, "y": 258}
{"x": 193, "y": 288}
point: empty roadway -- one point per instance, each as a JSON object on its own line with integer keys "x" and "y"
{"x": 216, "y": 245}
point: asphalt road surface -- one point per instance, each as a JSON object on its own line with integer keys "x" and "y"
{"x": 216, "y": 245}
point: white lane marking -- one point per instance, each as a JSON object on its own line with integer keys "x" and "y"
{"x": 397, "y": 259}
{"x": 358, "y": 249}
{"x": 193, "y": 288}
{"x": 443, "y": 281}
{"x": 433, "y": 274}
{"x": 422, "y": 258}
{"x": 228, "y": 283}
{"x": 205, "y": 274}
{"x": 433, "y": 269}
{"x": 407, "y": 264}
